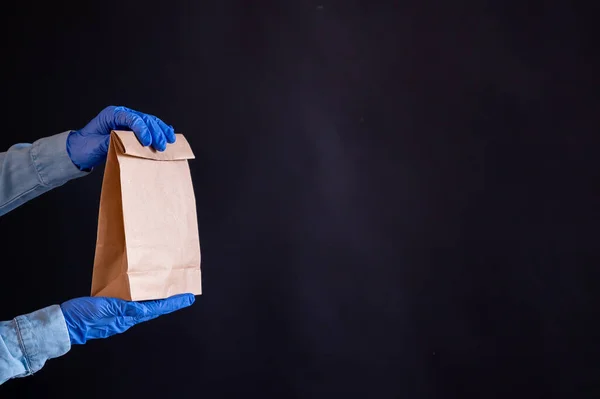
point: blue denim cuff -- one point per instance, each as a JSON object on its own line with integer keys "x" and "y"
{"x": 43, "y": 335}
{"x": 52, "y": 162}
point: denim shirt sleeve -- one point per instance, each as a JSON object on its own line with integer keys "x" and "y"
{"x": 27, "y": 341}
{"x": 26, "y": 171}
{"x": 29, "y": 170}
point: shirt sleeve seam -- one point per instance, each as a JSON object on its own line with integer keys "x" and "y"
{"x": 22, "y": 343}
{"x": 35, "y": 165}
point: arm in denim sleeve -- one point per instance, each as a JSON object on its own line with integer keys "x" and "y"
{"x": 27, "y": 341}
{"x": 29, "y": 170}
{"x": 26, "y": 171}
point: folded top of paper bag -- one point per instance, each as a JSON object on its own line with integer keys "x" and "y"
{"x": 128, "y": 144}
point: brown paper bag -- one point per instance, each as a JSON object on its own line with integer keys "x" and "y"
{"x": 147, "y": 245}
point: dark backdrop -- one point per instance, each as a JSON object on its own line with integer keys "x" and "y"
{"x": 395, "y": 200}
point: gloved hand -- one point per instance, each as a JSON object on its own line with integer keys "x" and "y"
{"x": 88, "y": 147}
{"x": 101, "y": 317}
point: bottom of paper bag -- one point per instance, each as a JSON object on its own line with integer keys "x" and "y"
{"x": 154, "y": 284}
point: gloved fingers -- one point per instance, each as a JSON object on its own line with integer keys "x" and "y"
{"x": 169, "y": 131}
{"x": 122, "y": 324}
{"x": 125, "y": 117}
{"x": 126, "y": 310}
{"x": 159, "y": 140}
{"x": 128, "y": 313}
{"x": 152, "y": 309}
{"x": 153, "y": 121}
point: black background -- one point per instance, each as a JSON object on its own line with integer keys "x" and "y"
{"x": 395, "y": 200}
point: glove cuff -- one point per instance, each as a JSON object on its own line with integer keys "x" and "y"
{"x": 52, "y": 161}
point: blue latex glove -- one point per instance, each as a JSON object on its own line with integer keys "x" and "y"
{"x": 101, "y": 317}
{"x": 88, "y": 147}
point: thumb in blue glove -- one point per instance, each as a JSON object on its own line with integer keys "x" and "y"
{"x": 101, "y": 317}
{"x": 88, "y": 147}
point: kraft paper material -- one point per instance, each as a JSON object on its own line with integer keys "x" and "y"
{"x": 147, "y": 245}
